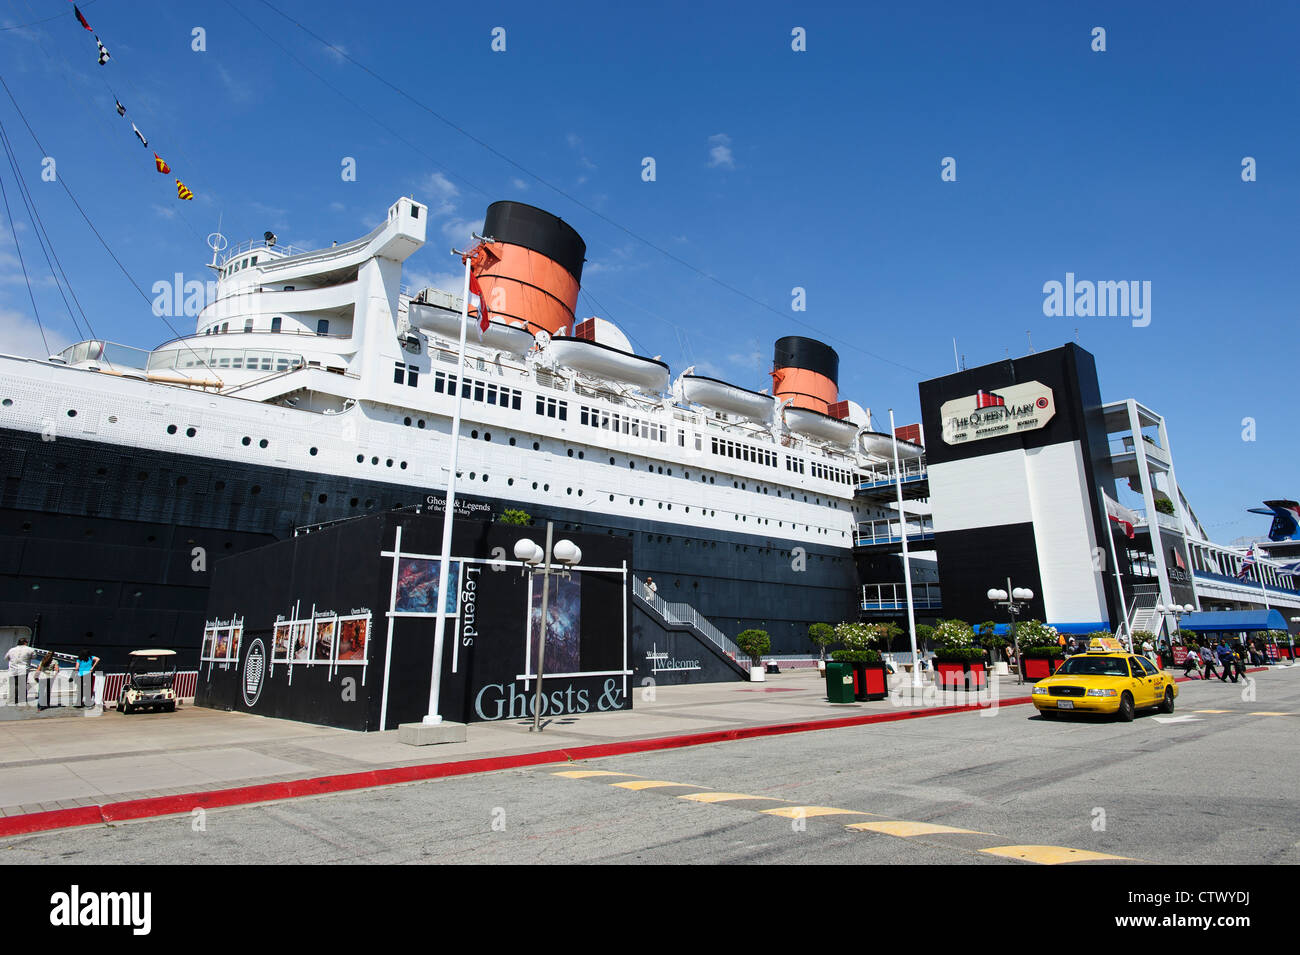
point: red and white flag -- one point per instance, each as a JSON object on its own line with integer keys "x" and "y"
{"x": 1120, "y": 514}
{"x": 480, "y": 260}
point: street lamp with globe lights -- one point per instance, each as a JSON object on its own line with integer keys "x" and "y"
{"x": 1176, "y": 611}
{"x": 539, "y": 560}
{"x": 1015, "y": 599}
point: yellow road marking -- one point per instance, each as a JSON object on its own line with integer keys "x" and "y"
{"x": 807, "y": 812}
{"x": 897, "y": 827}
{"x": 1211, "y": 711}
{"x": 721, "y": 797}
{"x": 1049, "y": 855}
{"x": 588, "y": 773}
{"x": 639, "y": 784}
{"x": 1268, "y": 713}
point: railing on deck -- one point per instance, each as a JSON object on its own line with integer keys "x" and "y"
{"x": 894, "y": 596}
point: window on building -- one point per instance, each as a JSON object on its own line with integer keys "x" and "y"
{"x": 275, "y": 323}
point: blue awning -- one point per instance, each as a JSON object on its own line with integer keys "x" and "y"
{"x": 1229, "y": 621}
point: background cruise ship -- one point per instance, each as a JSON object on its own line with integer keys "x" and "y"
{"x": 317, "y": 388}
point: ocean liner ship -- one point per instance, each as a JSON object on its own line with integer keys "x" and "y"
{"x": 316, "y": 388}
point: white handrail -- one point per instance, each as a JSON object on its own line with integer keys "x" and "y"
{"x": 684, "y": 613}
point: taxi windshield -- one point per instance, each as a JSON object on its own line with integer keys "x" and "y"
{"x": 1094, "y": 666}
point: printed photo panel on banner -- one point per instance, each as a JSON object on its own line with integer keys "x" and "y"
{"x": 323, "y": 643}
{"x": 354, "y": 632}
{"x": 417, "y": 587}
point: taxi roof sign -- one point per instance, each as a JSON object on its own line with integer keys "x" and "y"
{"x": 1105, "y": 645}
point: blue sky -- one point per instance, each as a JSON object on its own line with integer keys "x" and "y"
{"x": 774, "y": 169}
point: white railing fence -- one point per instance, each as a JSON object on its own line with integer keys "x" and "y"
{"x": 894, "y": 596}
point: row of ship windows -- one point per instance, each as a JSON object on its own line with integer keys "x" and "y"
{"x": 277, "y": 323}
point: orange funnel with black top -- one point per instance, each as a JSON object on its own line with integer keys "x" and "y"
{"x": 807, "y": 372}
{"x": 539, "y": 269}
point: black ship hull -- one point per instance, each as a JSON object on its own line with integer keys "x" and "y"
{"x": 110, "y": 549}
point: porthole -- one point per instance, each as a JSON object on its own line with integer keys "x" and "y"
{"x": 487, "y": 436}
{"x": 247, "y": 441}
{"x": 534, "y": 485}
{"x": 568, "y": 490}
{"x": 361, "y": 459}
{"x": 255, "y": 489}
{"x": 101, "y": 471}
{"x": 374, "y": 460}
{"x": 142, "y": 476}
{"x": 420, "y": 423}
{"x": 219, "y": 486}
{"x": 579, "y": 492}
{"x": 72, "y": 412}
{"x": 537, "y": 446}
{"x": 641, "y": 502}
{"x": 512, "y": 442}
{"x": 510, "y": 482}
{"x": 171, "y": 429}
{"x": 312, "y": 452}
{"x": 611, "y": 497}
{"x": 352, "y": 503}
{"x": 581, "y": 455}
{"x": 403, "y": 465}
{"x": 474, "y": 434}
{"x": 670, "y": 472}
{"x": 631, "y": 464}
{"x": 150, "y": 539}
{"x": 471, "y": 475}
{"x": 485, "y": 477}
{"x": 611, "y": 460}
{"x": 369, "y": 503}
{"x": 406, "y": 421}
{"x": 182, "y": 481}
{"x": 322, "y": 499}
{"x": 570, "y": 452}
{"x": 263, "y": 443}
{"x": 189, "y": 432}
{"x": 546, "y": 487}
{"x": 388, "y": 463}
{"x": 8, "y": 402}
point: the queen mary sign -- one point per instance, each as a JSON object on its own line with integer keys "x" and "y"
{"x": 993, "y": 414}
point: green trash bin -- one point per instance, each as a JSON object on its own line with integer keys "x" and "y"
{"x": 839, "y": 682}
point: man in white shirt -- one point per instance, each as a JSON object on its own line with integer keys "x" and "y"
{"x": 19, "y": 658}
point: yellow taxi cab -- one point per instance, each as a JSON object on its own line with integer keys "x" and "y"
{"x": 1105, "y": 679}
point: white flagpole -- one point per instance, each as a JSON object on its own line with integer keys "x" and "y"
{"x": 907, "y": 564}
{"x": 432, "y": 718}
{"x": 1119, "y": 583}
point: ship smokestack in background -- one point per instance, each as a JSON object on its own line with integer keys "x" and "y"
{"x": 537, "y": 279}
{"x": 807, "y": 372}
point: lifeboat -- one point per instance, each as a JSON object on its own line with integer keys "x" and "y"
{"x": 729, "y": 398}
{"x": 609, "y": 363}
{"x": 823, "y": 427}
{"x": 882, "y": 446}
{"x": 513, "y": 339}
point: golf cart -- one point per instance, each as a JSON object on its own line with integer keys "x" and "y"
{"x": 150, "y": 675}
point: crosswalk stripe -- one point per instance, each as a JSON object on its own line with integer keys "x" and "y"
{"x": 721, "y": 797}
{"x": 899, "y": 827}
{"x": 1050, "y": 855}
{"x": 807, "y": 812}
{"x": 638, "y": 784}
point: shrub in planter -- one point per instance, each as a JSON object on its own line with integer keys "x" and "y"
{"x": 924, "y": 636}
{"x": 856, "y": 656}
{"x": 822, "y": 634}
{"x": 955, "y": 643}
{"x": 754, "y": 643}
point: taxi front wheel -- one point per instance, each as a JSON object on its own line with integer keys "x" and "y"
{"x": 1125, "y": 712}
{"x": 1167, "y": 704}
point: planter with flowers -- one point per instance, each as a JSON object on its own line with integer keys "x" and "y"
{"x": 1039, "y": 649}
{"x": 870, "y": 676}
{"x": 958, "y": 659}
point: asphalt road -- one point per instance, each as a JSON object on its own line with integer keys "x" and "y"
{"x": 1218, "y": 785}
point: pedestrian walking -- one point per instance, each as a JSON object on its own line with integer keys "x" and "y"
{"x": 1225, "y": 662}
{"x": 18, "y": 659}
{"x": 1191, "y": 661}
{"x": 650, "y": 588}
{"x": 1207, "y": 662}
{"x": 86, "y": 664}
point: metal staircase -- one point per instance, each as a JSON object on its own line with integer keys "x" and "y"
{"x": 683, "y": 615}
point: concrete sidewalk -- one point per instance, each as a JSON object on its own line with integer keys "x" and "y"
{"x": 62, "y": 764}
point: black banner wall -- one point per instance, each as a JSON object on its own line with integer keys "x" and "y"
{"x": 338, "y": 626}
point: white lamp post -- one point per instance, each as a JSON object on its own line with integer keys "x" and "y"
{"x": 538, "y": 560}
{"x": 907, "y": 564}
{"x": 1015, "y": 599}
{"x": 1176, "y": 611}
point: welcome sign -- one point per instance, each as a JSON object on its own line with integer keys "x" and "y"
{"x": 994, "y": 414}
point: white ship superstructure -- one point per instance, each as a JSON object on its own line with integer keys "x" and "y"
{"x": 321, "y": 363}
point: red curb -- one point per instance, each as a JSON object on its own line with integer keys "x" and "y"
{"x": 320, "y": 785}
